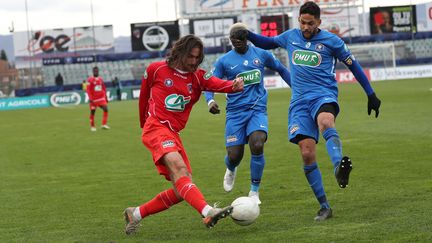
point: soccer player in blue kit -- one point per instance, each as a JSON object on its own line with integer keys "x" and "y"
{"x": 246, "y": 118}
{"x": 314, "y": 103}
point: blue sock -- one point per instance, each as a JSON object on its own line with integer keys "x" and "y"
{"x": 313, "y": 176}
{"x": 334, "y": 146}
{"x": 256, "y": 167}
{"x": 230, "y": 166}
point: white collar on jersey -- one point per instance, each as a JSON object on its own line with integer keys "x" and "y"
{"x": 180, "y": 71}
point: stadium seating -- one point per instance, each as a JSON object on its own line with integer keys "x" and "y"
{"x": 407, "y": 52}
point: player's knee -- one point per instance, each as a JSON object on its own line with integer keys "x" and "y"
{"x": 326, "y": 123}
{"x": 308, "y": 156}
{"x": 179, "y": 172}
{"x": 235, "y": 158}
{"x": 257, "y": 147}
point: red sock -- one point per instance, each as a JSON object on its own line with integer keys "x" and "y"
{"x": 190, "y": 193}
{"x": 92, "y": 120}
{"x": 105, "y": 118}
{"x": 161, "y": 202}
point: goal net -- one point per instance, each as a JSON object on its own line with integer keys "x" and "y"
{"x": 381, "y": 55}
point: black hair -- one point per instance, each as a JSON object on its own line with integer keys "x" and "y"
{"x": 311, "y": 8}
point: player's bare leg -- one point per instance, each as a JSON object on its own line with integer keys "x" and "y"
{"x": 232, "y": 160}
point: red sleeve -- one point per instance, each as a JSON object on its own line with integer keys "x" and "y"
{"x": 90, "y": 88}
{"x": 143, "y": 103}
{"x": 214, "y": 84}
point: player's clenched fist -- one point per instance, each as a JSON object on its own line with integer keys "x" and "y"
{"x": 238, "y": 84}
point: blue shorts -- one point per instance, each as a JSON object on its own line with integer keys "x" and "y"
{"x": 302, "y": 115}
{"x": 239, "y": 125}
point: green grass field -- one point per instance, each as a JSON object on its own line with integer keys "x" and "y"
{"x": 61, "y": 183}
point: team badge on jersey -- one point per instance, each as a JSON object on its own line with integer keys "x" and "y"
{"x": 308, "y": 44}
{"x": 189, "y": 86}
{"x": 256, "y": 62}
{"x": 319, "y": 47}
{"x": 168, "y": 82}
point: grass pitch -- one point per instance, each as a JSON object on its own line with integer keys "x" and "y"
{"x": 61, "y": 183}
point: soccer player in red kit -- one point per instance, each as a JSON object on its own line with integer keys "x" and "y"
{"x": 168, "y": 91}
{"x": 96, "y": 91}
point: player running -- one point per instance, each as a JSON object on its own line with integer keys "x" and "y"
{"x": 314, "y": 103}
{"x": 169, "y": 90}
{"x": 96, "y": 91}
{"x": 246, "y": 118}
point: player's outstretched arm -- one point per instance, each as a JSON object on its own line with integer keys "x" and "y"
{"x": 284, "y": 73}
{"x": 373, "y": 102}
{"x": 258, "y": 40}
{"x": 261, "y": 41}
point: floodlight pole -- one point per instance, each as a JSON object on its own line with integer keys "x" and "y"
{"x": 93, "y": 30}
{"x": 30, "y": 47}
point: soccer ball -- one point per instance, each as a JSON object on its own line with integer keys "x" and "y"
{"x": 245, "y": 211}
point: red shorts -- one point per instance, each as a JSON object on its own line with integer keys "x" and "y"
{"x": 96, "y": 104}
{"x": 160, "y": 140}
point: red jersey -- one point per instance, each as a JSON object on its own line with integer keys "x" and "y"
{"x": 96, "y": 89}
{"x": 169, "y": 94}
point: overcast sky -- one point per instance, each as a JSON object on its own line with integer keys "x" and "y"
{"x": 51, "y": 14}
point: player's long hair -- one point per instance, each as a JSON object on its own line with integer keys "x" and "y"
{"x": 311, "y": 8}
{"x": 181, "y": 49}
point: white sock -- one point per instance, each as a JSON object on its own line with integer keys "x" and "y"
{"x": 137, "y": 213}
{"x": 206, "y": 210}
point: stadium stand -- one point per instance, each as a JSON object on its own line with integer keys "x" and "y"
{"x": 129, "y": 67}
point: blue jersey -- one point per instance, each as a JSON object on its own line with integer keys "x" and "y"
{"x": 312, "y": 62}
{"x": 249, "y": 66}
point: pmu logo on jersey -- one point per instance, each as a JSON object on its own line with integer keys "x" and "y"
{"x": 306, "y": 58}
{"x": 175, "y": 102}
{"x": 250, "y": 77}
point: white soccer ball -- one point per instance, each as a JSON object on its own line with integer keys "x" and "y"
{"x": 245, "y": 211}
